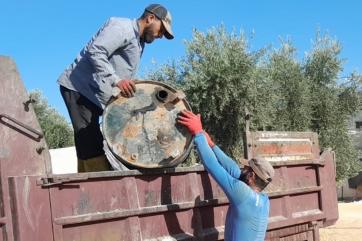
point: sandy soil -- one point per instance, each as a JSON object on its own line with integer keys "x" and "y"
{"x": 349, "y": 225}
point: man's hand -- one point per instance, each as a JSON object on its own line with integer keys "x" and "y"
{"x": 191, "y": 121}
{"x": 209, "y": 141}
{"x": 127, "y": 87}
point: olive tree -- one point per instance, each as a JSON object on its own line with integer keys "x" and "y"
{"x": 224, "y": 80}
{"x": 57, "y": 131}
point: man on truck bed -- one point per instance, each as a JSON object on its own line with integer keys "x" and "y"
{"x": 247, "y": 216}
{"x": 110, "y": 59}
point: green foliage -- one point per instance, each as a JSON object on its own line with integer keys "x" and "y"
{"x": 170, "y": 74}
{"x": 333, "y": 104}
{"x": 292, "y": 102}
{"x": 217, "y": 79}
{"x": 219, "y": 83}
{"x": 57, "y": 131}
{"x": 224, "y": 80}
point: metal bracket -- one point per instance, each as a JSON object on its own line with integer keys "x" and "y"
{"x": 25, "y": 129}
{"x": 28, "y": 102}
{"x": 49, "y": 181}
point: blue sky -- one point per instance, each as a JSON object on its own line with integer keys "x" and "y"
{"x": 43, "y": 37}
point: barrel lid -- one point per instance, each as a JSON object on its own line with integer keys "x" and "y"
{"x": 141, "y": 131}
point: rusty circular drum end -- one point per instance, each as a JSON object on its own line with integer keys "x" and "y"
{"x": 144, "y": 127}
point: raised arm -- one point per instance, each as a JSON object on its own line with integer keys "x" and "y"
{"x": 234, "y": 189}
{"x": 227, "y": 163}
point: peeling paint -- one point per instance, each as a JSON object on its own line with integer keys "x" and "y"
{"x": 4, "y": 153}
{"x": 26, "y": 205}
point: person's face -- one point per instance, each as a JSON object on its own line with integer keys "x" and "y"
{"x": 153, "y": 29}
{"x": 246, "y": 175}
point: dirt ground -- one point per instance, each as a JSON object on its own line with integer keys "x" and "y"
{"x": 349, "y": 225}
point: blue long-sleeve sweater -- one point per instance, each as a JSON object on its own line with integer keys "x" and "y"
{"x": 247, "y": 216}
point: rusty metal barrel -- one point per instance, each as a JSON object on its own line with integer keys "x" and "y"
{"x": 142, "y": 132}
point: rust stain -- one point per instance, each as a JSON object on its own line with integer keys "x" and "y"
{"x": 131, "y": 131}
{"x": 285, "y": 149}
{"x": 130, "y": 159}
{"x": 158, "y": 116}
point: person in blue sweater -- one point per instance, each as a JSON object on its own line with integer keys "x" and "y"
{"x": 247, "y": 216}
{"x": 105, "y": 66}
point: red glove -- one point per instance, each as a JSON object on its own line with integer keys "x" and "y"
{"x": 127, "y": 87}
{"x": 209, "y": 141}
{"x": 191, "y": 121}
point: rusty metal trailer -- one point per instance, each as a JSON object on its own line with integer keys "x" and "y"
{"x": 163, "y": 204}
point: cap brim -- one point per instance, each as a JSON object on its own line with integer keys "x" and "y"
{"x": 168, "y": 33}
